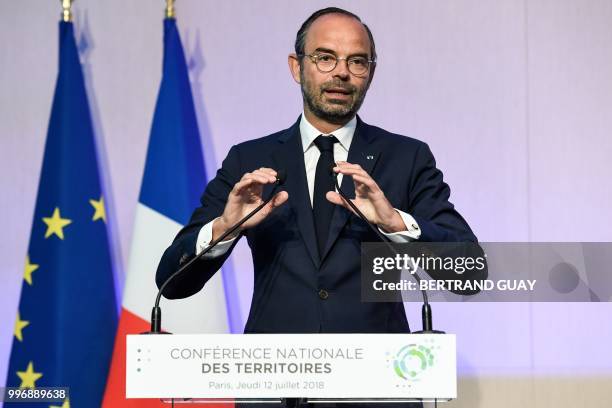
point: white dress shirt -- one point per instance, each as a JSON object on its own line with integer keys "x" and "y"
{"x": 311, "y": 156}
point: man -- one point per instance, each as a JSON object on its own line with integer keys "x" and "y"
{"x": 306, "y": 242}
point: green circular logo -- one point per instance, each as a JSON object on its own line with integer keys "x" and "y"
{"x": 412, "y": 360}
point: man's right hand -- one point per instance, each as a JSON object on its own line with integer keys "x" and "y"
{"x": 244, "y": 198}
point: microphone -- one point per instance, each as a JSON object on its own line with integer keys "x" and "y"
{"x": 426, "y": 313}
{"x": 281, "y": 176}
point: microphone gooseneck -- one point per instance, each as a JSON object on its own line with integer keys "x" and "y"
{"x": 281, "y": 176}
{"x": 426, "y": 312}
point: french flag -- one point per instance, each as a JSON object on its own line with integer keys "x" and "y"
{"x": 173, "y": 181}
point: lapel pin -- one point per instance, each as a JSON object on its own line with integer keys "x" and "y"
{"x": 370, "y": 157}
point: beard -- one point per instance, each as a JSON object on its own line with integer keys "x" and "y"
{"x": 328, "y": 108}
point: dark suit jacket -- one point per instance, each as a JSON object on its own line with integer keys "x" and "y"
{"x": 289, "y": 273}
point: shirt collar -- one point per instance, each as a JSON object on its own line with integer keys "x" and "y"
{"x": 344, "y": 135}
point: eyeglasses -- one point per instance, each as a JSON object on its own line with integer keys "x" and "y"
{"x": 325, "y": 62}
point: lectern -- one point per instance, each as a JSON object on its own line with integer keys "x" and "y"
{"x": 270, "y": 367}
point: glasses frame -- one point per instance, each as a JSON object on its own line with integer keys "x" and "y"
{"x": 314, "y": 57}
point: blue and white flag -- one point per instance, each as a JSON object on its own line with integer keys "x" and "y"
{"x": 173, "y": 180}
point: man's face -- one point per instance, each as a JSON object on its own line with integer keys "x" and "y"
{"x": 334, "y": 96}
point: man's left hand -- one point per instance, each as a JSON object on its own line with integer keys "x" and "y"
{"x": 369, "y": 198}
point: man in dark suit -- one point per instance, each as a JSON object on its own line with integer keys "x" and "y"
{"x": 306, "y": 242}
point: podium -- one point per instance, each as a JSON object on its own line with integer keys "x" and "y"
{"x": 271, "y": 367}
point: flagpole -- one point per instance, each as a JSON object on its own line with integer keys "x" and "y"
{"x": 66, "y": 10}
{"x": 170, "y": 12}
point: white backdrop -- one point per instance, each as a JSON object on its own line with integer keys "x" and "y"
{"x": 513, "y": 96}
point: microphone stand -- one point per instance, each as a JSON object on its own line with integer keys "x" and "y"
{"x": 156, "y": 312}
{"x": 426, "y": 312}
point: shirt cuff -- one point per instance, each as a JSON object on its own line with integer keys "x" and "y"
{"x": 204, "y": 239}
{"x": 413, "y": 232}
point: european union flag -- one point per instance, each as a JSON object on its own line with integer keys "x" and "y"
{"x": 67, "y": 313}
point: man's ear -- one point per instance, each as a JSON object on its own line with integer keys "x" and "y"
{"x": 371, "y": 75}
{"x": 294, "y": 67}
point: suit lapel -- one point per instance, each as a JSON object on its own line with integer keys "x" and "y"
{"x": 365, "y": 153}
{"x": 290, "y": 156}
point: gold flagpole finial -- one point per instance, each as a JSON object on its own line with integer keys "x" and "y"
{"x": 170, "y": 12}
{"x": 66, "y": 11}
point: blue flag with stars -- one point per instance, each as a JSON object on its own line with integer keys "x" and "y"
{"x": 65, "y": 325}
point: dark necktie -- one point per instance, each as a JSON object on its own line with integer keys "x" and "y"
{"x": 324, "y": 182}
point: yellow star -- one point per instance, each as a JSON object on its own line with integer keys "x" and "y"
{"x": 99, "y": 207}
{"x": 66, "y": 404}
{"x": 28, "y": 377}
{"x": 55, "y": 224}
{"x": 19, "y": 325}
{"x": 29, "y": 268}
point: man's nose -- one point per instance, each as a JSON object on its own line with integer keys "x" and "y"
{"x": 342, "y": 70}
